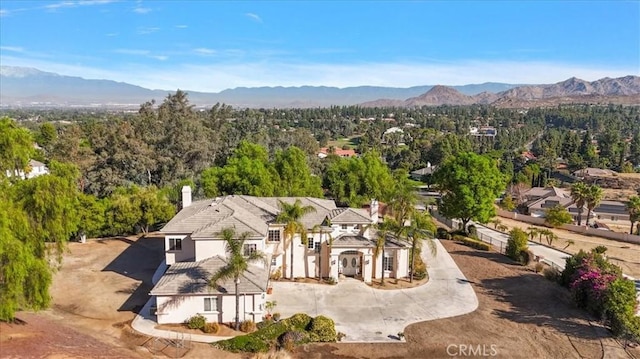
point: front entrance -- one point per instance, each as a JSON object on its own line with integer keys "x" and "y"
{"x": 350, "y": 263}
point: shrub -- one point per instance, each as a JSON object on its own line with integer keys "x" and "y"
{"x": 473, "y": 231}
{"x": 264, "y": 323}
{"x": 322, "y": 329}
{"x": 244, "y": 343}
{"x": 331, "y": 281}
{"x": 619, "y": 308}
{"x": 276, "y": 316}
{"x": 552, "y": 274}
{"x": 442, "y": 233}
{"x": 277, "y": 274}
{"x": 340, "y": 336}
{"x": 596, "y": 259}
{"x": 288, "y": 340}
{"x": 248, "y": 326}
{"x": 600, "y": 249}
{"x": 473, "y": 243}
{"x": 516, "y": 244}
{"x": 196, "y": 322}
{"x": 539, "y": 267}
{"x": 526, "y": 257}
{"x": 211, "y": 328}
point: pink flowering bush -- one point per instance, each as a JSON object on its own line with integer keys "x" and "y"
{"x": 589, "y": 286}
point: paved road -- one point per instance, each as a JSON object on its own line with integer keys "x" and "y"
{"x": 551, "y": 256}
{"x": 365, "y": 314}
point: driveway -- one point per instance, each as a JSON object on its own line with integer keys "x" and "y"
{"x": 365, "y": 314}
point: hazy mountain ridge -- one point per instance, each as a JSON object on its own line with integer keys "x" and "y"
{"x": 623, "y": 90}
{"x": 21, "y": 86}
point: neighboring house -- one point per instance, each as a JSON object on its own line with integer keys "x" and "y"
{"x": 612, "y": 212}
{"x": 324, "y": 152}
{"x": 593, "y": 172}
{"x": 539, "y": 207}
{"x": 488, "y": 131}
{"x": 195, "y": 250}
{"x": 34, "y": 169}
{"x": 418, "y": 175}
{"x": 536, "y": 193}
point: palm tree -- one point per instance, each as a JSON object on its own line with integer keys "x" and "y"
{"x": 290, "y": 215}
{"x": 237, "y": 263}
{"x": 533, "y": 232}
{"x": 579, "y": 192}
{"x": 594, "y": 196}
{"x": 496, "y": 222}
{"x": 404, "y": 198}
{"x": 633, "y": 207}
{"x": 383, "y": 230}
{"x": 421, "y": 228}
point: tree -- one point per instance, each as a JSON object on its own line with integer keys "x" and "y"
{"x": 290, "y": 215}
{"x": 138, "y": 207}
{"x": 633, "y": 207}
{"x": 557, "y": 215}
{"x": 516, "y": 244}
{"x": 579, "y": 193}
{"x": 496, "y": 222}
{"x": 594, "y": 196}
{"x": 507, "y": 203}
{"x": 403, "y": 198}
{"x": 16, "y": 147}
{"x": 469, "y": 184}
{"x": 420, "y": 228}
{"x": 237, "y": 263}
{"x": 295, "y": 179}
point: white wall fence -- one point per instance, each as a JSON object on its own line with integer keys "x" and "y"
{"x": 617, "y": 236}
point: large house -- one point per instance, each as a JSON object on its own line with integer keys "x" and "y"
{"x": 339, "y": 243}
{"x": 34, "y": 169}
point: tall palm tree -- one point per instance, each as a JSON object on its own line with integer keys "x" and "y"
{"x": 237, "y": 263}
{"x": 420, "y": 228}
{"x": 383, "y": 230}
{"x": 290, "y": 215}
{"x": 594, "y": 196}
{"x": 633, "y": 207}
{"x": 403, "y": 196}
{"x": 579, "y": 192}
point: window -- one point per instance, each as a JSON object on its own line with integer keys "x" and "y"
{"x": 175, "y": 244}
{"x": 274, "y": 235}
{"x": 211, "y": 304}
{"x": 274, "y": 261}
{"x": 344, "y": 227}
{"x": 316, "y": 246}
{"x": 249, "y": 249}
{"x": 310, "y": 243}
{"x": 387, "y": 263}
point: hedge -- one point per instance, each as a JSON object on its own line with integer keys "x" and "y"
{"x": 473, "y": 243}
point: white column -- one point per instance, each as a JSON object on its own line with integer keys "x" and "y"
{"x": 367, "y": 268}
{"x": 333, "y": 265}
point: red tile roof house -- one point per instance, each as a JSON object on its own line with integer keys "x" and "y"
{"x": 324, "y": 152}
{"x": 194, "y": 250}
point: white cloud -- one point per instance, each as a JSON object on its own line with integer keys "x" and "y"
{"x": 132, "y": 51}
{"x": 204, "y": 51}
{"x": 253, "y": 16}
{"x": 4, "y": 12}
{"x": 146, "y": 30}
{"x": 159, "y": 57}
{"x": 12, "y": 48}
{"x": 112, "y": 34}
{"x": 181, "y": 26}
{"x": 69, "y": 4}
{"x": 142, "y": 10}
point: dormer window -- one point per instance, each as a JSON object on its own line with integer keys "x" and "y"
{"x": 344, "y": 227}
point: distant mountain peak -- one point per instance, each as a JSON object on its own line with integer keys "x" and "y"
{"x": 15, "y": 71}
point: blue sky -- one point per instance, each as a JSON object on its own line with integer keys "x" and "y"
{"x": 214, "y": 45}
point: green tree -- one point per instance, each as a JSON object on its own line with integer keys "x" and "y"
{"x": 594, "y": 196}
{"x": 633, "y": 207}
{"x": 237, "y": 263}
{"x": 92, "y": 214}
{"x": 295, "y": 178}
{"x": 290, "y": 215}
{"x": 469, "y": 184}
{"x": 516, "y": 244}
{"x": 403, "y": 197}
{"x": 579, "y": 193}
{"x": 383, "y": 231}
{"x": 420, "y": 229}
{"x": 556, "y": 216}
{"x": 16, "y": 147}
{"x": 136, "y": 207}
{"x": 248, "y": 171}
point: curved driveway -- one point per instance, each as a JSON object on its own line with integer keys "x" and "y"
{"x": 365, "y": 314}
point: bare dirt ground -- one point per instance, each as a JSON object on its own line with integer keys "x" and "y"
{"x": 625, "y": 255}
{"x": 102, "y": 283}
{"x": 521, "y": 313}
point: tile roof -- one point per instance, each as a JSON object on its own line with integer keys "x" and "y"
{"x": 207, "y": 218}
{"x": 350, "y": 215}
{"x": 184, "y": 278}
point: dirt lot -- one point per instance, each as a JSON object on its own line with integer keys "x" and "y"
{"x": 102, "y": 283}
{"x": 626, "y": 255}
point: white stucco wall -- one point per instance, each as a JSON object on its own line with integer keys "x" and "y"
{"x": 187, "y": 252}
{"x": 206, "y": 248}
{"x": 177, "y": 309}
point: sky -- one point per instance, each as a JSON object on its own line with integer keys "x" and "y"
{"x": 214, "y": 45}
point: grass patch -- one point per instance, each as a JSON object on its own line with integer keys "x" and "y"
{"x": 352, "y": 142}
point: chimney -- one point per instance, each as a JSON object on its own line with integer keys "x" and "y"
{"x": 374, "y": 211}
{"x": 186, "y": 196}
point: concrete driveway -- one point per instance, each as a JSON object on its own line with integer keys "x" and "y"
{"x": 365, "y": 314}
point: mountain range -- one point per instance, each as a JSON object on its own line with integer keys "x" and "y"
{"x": 28, "y": 87}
